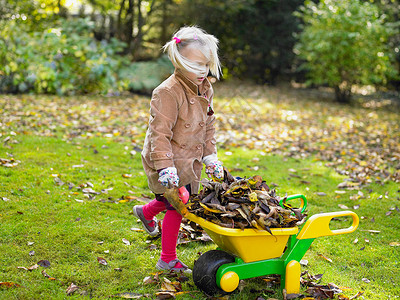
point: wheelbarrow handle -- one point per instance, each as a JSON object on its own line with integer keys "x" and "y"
{"x": 318, "y": 225}
{"x": 303, "y": 205}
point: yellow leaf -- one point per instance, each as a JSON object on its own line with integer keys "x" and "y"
{"x": 394, "y": 244}
{"x": 209, "y": 209}
{"x": 253, "y": 197}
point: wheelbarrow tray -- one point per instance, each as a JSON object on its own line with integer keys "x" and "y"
{"x": 249, "y": 244}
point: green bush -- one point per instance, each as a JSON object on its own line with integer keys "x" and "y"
{"x": 344, "y": 43}
{"x": 145, "y": 76}
{"x": 68, "y": 60}
{"x": 63, "y": 60}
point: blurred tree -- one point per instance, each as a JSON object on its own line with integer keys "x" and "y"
{"x": 343, "y": 43}
{"x": 391, "y": 8}
{"x": 132, "y": 19}
{"x": 255, "y": 35}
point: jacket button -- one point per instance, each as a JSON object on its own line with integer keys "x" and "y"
{"x": 198, "y": 146}
{"x": 191, "y": 101}
{"x": 187, "y": 125}
{"x": 183, "y": 146}
{"x": 202, "y": 123}
{"x": 213, "y": 142}
{"x": 168, "y": 155}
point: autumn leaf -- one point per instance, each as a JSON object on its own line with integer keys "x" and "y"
{"x": 44, "y": 263}
{"x": 31, "y": 268}
{"x": 9, "y": 285}
{"x": 47, "y": 275}
{"x": 324, "y": 257}
{"x": 102, "y": 261}
{"x": 71, "y": 289}
{"x": 129, "y": 295}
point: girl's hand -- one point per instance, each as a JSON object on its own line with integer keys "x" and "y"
{"x": 215, "y": 169}
{"x": 168, "y": 175}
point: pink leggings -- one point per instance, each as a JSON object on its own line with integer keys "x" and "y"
{"x": 170, "y": 227}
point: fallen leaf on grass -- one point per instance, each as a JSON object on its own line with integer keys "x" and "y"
{"x": 394, "y": 244}
{"x": 126, "y": 242}
{"x": 9, "y": 285}
{"x": 304, "y": 262}
{"x": 44, "y": 263}
{"x": 164, "y": 295}
{"x": 127, "y": 175}
{"x": 71, "y": 289}
{"x": 9, "y": 163}
{"x": 359, "y": 294}
{"x": 324, "y": 257}
{"x": 34, "y": 267}
{"x": 372, "y": 231}
{"x": 342, "y": 206}
{"x": 129, "y": 296}
{"x": 320, "y": 293}
{"x": 149, "y": 280}
{"x": 366, "y": 280}
{"x": 152, "y": 247}
{"x": 90, "y": 191}
{"x": 47, "y": 275}
{"x": 102, "y": 261}
{"x": 171, "y": 286}
{"x": 137, "y": 229}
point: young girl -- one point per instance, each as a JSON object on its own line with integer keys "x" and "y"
{"x": 181, "y": 135}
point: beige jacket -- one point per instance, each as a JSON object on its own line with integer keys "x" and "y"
{"x": 180, "y": 131}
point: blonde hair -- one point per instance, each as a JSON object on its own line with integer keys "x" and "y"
{"x": 199, "y": 39}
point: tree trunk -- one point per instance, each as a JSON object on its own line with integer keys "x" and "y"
{"x": 119, "y": 20}
{"x": 342, "y": 95}
{"x": 163, "y": 37}
{"x": 137, "y": 42}
{"x": 130, "y": 23}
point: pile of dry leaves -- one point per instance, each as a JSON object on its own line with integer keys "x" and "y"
{"x": 243, "y": 203}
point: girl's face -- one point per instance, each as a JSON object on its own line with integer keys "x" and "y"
{"x": 197, "y": 57}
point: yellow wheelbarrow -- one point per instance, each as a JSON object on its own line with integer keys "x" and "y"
{"x": 252, "y": 253}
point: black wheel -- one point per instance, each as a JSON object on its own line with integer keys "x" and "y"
{"x": 205, "y": 270}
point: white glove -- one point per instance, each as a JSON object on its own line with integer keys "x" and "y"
{"x": 213, "y": 166}
{"x": 168, "y": 175}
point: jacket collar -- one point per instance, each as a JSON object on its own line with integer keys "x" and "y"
{"x": 190, "y": 86}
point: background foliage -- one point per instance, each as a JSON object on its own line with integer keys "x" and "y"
{"x": 51, "y": 46}
{"x": 345, "y": 43}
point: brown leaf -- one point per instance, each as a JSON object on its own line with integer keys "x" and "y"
{"x": 9, "y": 285}
{"x": 47, "y": 275}
{"x": 71, "y": 289}
{"x": 164, "y": 295}
{"x": 102, "y": 261}
{"x": 44, "y": 263}
{"x": 324, "y": 257}
{"x": 129, "y": 296}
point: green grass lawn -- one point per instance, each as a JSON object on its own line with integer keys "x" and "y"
{"x": 63, "y": 147}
